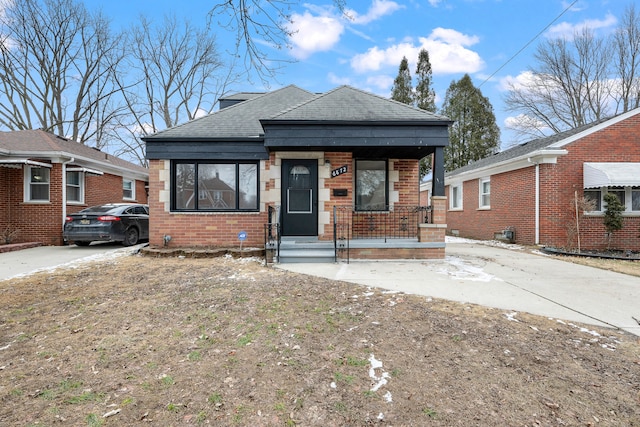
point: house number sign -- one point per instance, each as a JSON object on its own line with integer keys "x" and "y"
{"x": 339, "y": 171}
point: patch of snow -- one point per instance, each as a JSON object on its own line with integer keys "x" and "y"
{"x": 379, "y": 380}
{"x": 494, "y": 243}
{"x": 457, "y": 268}
{"x": 511, "y": 316}
{"x": 387, "y": 397}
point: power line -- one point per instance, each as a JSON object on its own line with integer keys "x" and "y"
{"x": 528, "y": 43}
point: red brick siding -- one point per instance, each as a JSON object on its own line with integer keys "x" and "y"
{"x": 513, "y": 196}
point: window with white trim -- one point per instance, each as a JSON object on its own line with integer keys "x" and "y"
{"x": 75, "y": 187}
{"x": 455, "y": 198}
{"x": 628, "y": 196}
{"x": 37, "y": 183}
{"x": 128, "y": 189}
{"x": 485, "y": 193}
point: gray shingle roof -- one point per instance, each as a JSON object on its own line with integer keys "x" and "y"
{"x": 343, "y": 104}
{"x": 346, "y": 103}
{"x": 523, "y": 149}
{"x": 45, "y": 144}
{"x": 241, "y": 120}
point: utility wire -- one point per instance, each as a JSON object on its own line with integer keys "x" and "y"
{"x": 528, "y": 43}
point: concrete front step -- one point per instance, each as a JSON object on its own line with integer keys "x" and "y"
{"x": 297, "y": 249}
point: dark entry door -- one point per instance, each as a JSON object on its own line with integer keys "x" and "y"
{"x": 299, "y": 197}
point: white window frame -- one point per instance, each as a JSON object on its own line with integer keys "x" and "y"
{"x": 28, "y": 185}
{"x": 124, "y": 189}
{"x": 628, "y": 199}
{"x": 482, "y": 194}
{"x": 80, "y": 186}
{"x": 455, "y": 197}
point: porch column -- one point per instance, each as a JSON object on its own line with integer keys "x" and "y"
{"x": 437, "y": 182}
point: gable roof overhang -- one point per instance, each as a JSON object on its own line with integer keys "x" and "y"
{"x": 543, "y": 156}
{"x": 374, "y": 139}
{"x": 611, "y": 174}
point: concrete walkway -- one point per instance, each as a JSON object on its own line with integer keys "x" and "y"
{"x": 510, "y": 279}
{"x": 41, "y": 258}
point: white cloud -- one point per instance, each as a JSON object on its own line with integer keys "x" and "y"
{"x": 523, "y": 80}
{"x": 381, "y": 82}
{"x": 566, "y": 30}
{"x": 448, "y": 52}
{"x": 320, "y": 28}
{"x": 378, "y": 9}
{"x": 337, "y": 80}
{"x": 314, "y": 34}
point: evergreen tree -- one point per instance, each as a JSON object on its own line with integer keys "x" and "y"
{"x": 474, "y": 133}
{"x": 425, "y": 95}
{"x": 402, "y": 90}
{"x": 425, "y": 98}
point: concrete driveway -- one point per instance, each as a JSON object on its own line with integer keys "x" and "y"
{"x": 506, "y": 277}
{"x": 41, "y": 258}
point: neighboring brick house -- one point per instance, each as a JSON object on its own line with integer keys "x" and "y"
{"x": 531, "y": 188}
{"x": 306, "y": 162}
{"x": 44, "y": 177}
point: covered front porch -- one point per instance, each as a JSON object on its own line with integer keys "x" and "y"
{"x": 399, "y": 232}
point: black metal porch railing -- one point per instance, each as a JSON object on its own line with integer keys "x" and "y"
{"x": 272, "y": 235}
{"x": 395, "y": 222}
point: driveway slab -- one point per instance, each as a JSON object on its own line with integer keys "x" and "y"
{"x": 506, "y": 278}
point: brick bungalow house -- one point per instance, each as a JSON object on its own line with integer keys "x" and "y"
{"x": 530, "y": 189}
{"x": 339, "y": 168}
{"x": 43, "y": 177}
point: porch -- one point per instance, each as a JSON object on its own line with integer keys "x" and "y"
{"x": 395, "y": 232}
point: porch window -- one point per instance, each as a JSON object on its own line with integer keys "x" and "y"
{"x": 371, "y": 185}
{"x": 485, "y": 193}
{"x": 128, "y": 189}
{"x": 205, "y": 186}
{"x": 455, "y": 201}
{"x": 75, "y": 187}
{"x": 37, "y": 184}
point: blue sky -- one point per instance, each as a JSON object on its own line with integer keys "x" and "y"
{"x": 477, "y": 37}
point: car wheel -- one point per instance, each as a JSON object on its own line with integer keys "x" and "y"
{"x": 82, "y": 243}
{"x": 130, "y": 237}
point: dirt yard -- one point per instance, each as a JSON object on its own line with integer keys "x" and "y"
{"x": 171, "y": 342}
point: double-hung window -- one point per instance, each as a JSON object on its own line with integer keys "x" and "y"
{"x": 128, "y": 189}
{"x": 37, "y": 183}
{"x": 371, "y": 185}
{"x": 214, "y": 186}
{"x": 75, "y": 187}
{"x": 455, "y": 197}
{"x": 484, "y": 201}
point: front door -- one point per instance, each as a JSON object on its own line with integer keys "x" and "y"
{"x": 299, "y": 197}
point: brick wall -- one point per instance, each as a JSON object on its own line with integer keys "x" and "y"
{"x": 513, "y": 196}
{"x": 198, "y": 229}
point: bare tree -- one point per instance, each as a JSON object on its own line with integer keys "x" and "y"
{"x": 259, "y": 24}
{"x": 570, "y": 87}
{"x": 627, "y": 64}
{"x": 174, "y": 74}
{"x": 56, "y": 69}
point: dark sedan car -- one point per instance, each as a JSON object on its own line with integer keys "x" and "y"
{"x": 121, "y": 222}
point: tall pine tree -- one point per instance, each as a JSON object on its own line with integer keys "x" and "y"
{"x": 402, "y": 90}
{"x": 474, "y": 133}
{"x": 425, "y": 97}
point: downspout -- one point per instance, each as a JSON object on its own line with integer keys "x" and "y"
{"x": 537, "y": 208}
{"x": 64, "y": 189}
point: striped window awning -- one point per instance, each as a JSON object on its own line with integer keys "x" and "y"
{"x": 612, "y": 174}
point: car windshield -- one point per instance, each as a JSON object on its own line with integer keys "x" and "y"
{"x": 110, "y": 209}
